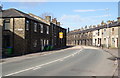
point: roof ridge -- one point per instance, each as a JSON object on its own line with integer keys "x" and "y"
{"x": 39, "y": 18}
{"x": 19, "y": 12}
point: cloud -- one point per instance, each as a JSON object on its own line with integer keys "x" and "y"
{"x": 24, "y": 1}
{"x": 104, "y": 15}
{"x": 71, "y": 18}
{"x": 89, "y": 10}
{"x": 84, "y": 10}
{"x": 77, "y": 21}
{"x": 72, "y": 21}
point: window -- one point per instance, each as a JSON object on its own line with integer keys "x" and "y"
{"x": 41, "y": 26}
{"x": 42, "y": 46}
{"x": 47, "y": 29}
{"x": 104, "y": 29}
{"x": 98, "y": 40}
{"x": 113, "y": 41}
{"x": 35, "y": 43}
{"x": 47, "y": 42}
{"x": 105, "y": 39}
{"x": 112, "y": 30}
{"x": 7, "y": 24}
{"x": 44, "y": 42}
{"x": 41, "y": 42}
{"x": 98, "y": 32}
{"x": 35, "y": 27}
{"x": 27, "y": 25}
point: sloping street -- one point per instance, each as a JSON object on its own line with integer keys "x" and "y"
{"x": 75, "y": 61}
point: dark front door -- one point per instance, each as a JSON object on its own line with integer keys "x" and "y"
{"x": 6, "y": 41}
{"x": 100, "y": 41}
{"x": 5, "y": 44}
{"x": 117, "y": 42}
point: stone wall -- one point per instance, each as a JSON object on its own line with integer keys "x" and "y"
{"x": 19, "y": 36}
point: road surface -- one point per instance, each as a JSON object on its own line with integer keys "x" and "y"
{"x": 75, "y": 61}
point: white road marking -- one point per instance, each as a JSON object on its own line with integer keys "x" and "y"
{"x": 39, "y": 66}
{"x": 41, "y": 55}
{"x": 36, "y": 68}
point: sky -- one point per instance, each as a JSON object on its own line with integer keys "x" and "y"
{"x": 71, "y": 14}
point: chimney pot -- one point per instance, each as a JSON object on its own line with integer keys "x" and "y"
{"x": 54, "y": 21}
{"x": 48, "y": 18}
{"x": 58, "y": 23}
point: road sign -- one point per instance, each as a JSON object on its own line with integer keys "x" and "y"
{"x": 60, "y": 34}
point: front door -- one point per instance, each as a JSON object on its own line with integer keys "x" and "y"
{"x": 6, "y": 41}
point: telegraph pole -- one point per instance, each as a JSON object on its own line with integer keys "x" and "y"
{"x": 108, "y": 37}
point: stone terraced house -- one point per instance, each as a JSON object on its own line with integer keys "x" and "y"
{"x": 103, "y": 35}
{"x": 27, "y": 33}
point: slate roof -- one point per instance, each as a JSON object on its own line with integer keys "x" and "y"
{"x": 115, "y": 24}
{"x": 10, "y": 13}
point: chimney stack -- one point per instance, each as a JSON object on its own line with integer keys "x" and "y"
{"x": 108, "y": 22}
{"x": 94, "y": 26}
{"x": 54, "y": 21}
{"x": 1, "y": 7}
{"x": 68, "y": 30}
{"x": 118, "y": 19}
{"x": 58, "y": 23}
{"x": 48, "y": 18}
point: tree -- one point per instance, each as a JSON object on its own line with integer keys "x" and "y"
{"x": 46, "y": 14}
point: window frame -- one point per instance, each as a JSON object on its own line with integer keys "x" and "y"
{"x": 41, "y": 28}
{"x": 47, "y": 29}
{"x": 35, "y": 43}
{"x": 7, "y": 21}
{"x": 27, "y": 24}
{"x": 35, "y": 27}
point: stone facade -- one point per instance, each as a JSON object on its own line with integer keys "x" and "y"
{"x": 25, "y": 33}
{"x": 104, "y": 35}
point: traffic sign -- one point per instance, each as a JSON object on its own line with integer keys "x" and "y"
{"x": 60, "y": 34}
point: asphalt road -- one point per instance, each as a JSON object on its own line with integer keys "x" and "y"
{"x": 76, "y": 61}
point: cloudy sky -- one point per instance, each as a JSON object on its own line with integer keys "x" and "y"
{"x": 71, "y": 14}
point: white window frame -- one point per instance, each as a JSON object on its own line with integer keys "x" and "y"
{"x": 113, "y": 40}
{"x": 47, "y": 42}
{"x": 35, "y": 43}
{"x": 27, "y": 25}
{"x": 7, "y": 24}
{"x": 35, "y": 27}
{"x": 41, "y": 27}
{"x": 47, "y": 29}
{"x": 44, "y": 43}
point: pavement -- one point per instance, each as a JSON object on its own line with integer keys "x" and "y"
{"x": 28, "y": 56}
{"x": 115, "y": 54}
{"x": 75, "y": 61}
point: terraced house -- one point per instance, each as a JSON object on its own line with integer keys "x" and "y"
{"x": 26, "y": 33}
{"x": 102, "y": 35}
